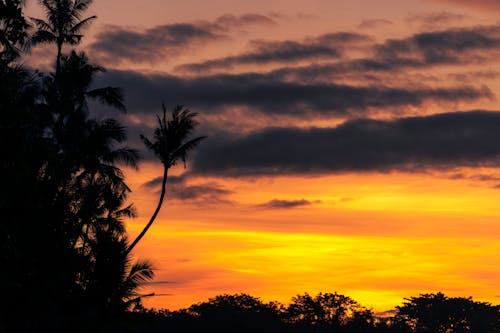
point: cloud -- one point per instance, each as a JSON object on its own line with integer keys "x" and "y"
{"x": 286, "y": 204}
{"x": 199, "y": 194}
{"x": 441, "y": 47}
{"x": 488, "y": 5}
{"x": 415, "y": 143}
{"x": 264, "y": 52}
{"x": 155, "y": 182}
{"x": 434, "y": 19}
{"x": 268, "y": 95}
{"x": 450, "y": 47}
{"x": 476, "y": 177}
{"x": 374, "y": 23}
{"x": 229, "y": 21}
{"x": 473, "y": 76}
{"x": 207, "y": 192}
{"x": 116, "y": 44}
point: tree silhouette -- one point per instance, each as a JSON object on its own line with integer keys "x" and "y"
{"x": 63, "y": 25}
{"x": 171, "y": 144}
{"x": 327, "y": 311}
{"x": 13, "y": 30}
{"x": 62, "y": 193}
{"x": 235, "y": 313}
{"x": 437, "y": 313}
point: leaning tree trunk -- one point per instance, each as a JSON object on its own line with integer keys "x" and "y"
{"x": 153, "y": 217}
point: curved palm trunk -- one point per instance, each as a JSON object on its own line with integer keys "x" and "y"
{"x": 153, "y": 217}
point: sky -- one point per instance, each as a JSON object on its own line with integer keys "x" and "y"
{"x": 353, "y": 146}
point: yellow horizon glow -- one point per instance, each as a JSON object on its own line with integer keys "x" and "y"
{"x": 377, "y": 238}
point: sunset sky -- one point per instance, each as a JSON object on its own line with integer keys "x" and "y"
{"x": 353, "y": 146}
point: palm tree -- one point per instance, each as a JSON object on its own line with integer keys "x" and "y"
{"x": 171, "y": 147}
{"x": 63, "y": 25}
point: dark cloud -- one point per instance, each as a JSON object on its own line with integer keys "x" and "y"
{"x": 285, "y": 204}
{"x": 263, "y": 52}
{"x": 476, "y": 177}
{"x": 200, "y": 194}
{"x": 456, "y": 46}
{"x": 155, "y": 182}
{"x": 434, "y": 19}
{"x": 451, "y": 47}
{"x": 474, "y": 76}
{"x": 208, "y": 192}
{"x": 374, "y": 23}
{"x": 265, "y": 94}
{"x": 438, "y": 141}
{"x": 229, "y": 21}
{"x": 116, "y": 44}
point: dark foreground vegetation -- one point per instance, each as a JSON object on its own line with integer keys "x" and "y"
{"x": 65, "y": 257}
{"x": 325, "y": 312}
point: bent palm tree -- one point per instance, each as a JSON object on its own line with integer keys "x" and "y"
{"x": 63, "y": 25}
{"x": 170, "y": 146}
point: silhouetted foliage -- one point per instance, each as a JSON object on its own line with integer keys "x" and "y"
{"x": 62, "y": 193}
{"x": 326, "y": 312}
{"x": 229, "y": 313}
{"x": 440, "y": 314}
{"x": 13, "y": 30}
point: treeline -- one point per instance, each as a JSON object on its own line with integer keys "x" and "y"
{"x": 325, "y": 312}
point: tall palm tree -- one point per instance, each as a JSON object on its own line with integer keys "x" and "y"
{"x": 171, "y": 145}
{"x": 63, "y": 25}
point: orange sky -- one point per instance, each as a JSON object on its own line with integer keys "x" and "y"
{"x": 377, "y": 238}
{"x": 377, "y": 233}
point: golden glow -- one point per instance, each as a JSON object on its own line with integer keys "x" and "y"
{"x": 375, "y": 237}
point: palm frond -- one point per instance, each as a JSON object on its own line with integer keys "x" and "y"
{"x": 129, "y": 156}
{"x": 113, "y": 130}
{"x": 82, "y": 24}
{"x": 81, "y": 5}
{"x": 41, "y": 24}
{"x": 111, "y": 96}
{"x": 147, "y": 142}
{"x": 183, "y": 151}
{"x": 42, "y": 37}
{"x": 140, "y": 272}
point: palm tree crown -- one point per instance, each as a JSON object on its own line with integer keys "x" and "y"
{"x": 63, "y": 24}
{"x": 169, "y": 138}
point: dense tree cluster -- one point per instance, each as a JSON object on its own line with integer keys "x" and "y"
{"x": 63, "y": 243}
